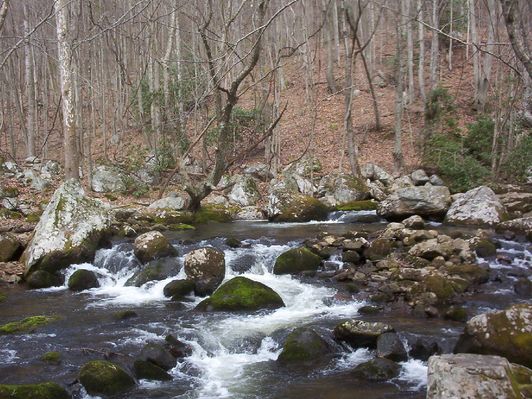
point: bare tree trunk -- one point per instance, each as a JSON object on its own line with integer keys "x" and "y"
{"x": 66, "y": 72}
{"x": 30, "y": 91}
{"x": 483, "y": 81}
{"x": 329, "y": 34}
{"x": 410, "y": 49}
{"x": 450, "y": 53}
{"x": 517, "y": 32}
{"x": 421, "y": 63}
{"x": 434, "y": 47}
{"x": 398, "y": 149}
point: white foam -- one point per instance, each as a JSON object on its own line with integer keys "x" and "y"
{"x": 414, "y": 373}
{"x": 8, "y": 355}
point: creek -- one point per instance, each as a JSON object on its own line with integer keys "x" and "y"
{"x": 233, "y": 354}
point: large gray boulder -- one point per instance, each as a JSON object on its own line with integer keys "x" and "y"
{"x": 69, "y": 231}
{"x": 206, "y": 268}
{"x": 520, "y": 226}
{"x": 342, "y": 188}
{"x": 477, "y": 206}
{"x": 107, "y": 179}
{"x": 506, "y": 333}
{"x": 466, "y": 376}
{"x": 173, "y": 202}
{"x": 425, "y": 201}
{"x": 244, "y": 191}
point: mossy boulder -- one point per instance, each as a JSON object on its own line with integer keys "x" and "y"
{"x": 484, "y": 248}
{"x": 148, "y": 371}
{"x": 51, "y": 358}
{"x": 27, "y": 325}
{"x": 456, "y": 313}
{"x": 70, "y": 230}
{"x": 242, "y": 294}
{"x": 343, "y": 189}
{"x": 295, "y": 207}
{"x": 100, "y": 377}
{"x": 83, "y": 279}
{"x": 179, "y": 288}
{"x": 304, "y": 346}
{"x": 442, "y": 286}
{"x": 507, "y": 333}
{"x": 296, "y": 260}
{"x": 378, "y": 369}
{"x": 152, "y": 245}
{"x": 378, "y": 249}
{"x": 472, "y": 273}
{"x": 206, "y": 268}
{"x": 44, "y": 279}
{"x": 360, "y": 333}
{"x": 215, "y": 213}
{"x": 44, "y": 390}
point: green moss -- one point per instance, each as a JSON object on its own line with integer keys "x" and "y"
{"x": 456, "y": 313}
{"x": 357, "y": 184}
{"x": 367, "y": 205}
{"x": 100, "y": 377}
{"x": 241, "y": 293}
{"x": 8, "y": 214}
{"x": 51, "y": 357}
{"x": 378, "y": 249}
{"x": 45, "y": 390}
{"x": 303, "y": 345}
{"x": 180, "y": 226}
{"x": 149, "y": 371}
{"x": 28, "y": 324}
{"x": 83, "y": 279}
{"x": 125, "y": 314}
{"x": 302, "y": 208}
{"x": 2, "y": 297}
{"x": 179, "y": 288}
{"x": 474, "y": 274}
{"x": 214, "y": 213}
{"x": 59, "y": 209}
{"x": 10, "y": 192}
{"x": 33, "y": 217}
{"x": 296, "y": 260}
{"x": 485, "y": 248}
{"x": 441, "y": 286}
{"x": 43, "y": 279}
{"x": 111, "y": 197}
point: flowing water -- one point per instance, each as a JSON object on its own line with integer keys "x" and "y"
{"x": 233, "y": 355}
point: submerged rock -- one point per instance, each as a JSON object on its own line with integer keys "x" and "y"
{"x": 152, "y": 245}
{"x": 206, "y": 268}
{"x": 360, "y": 333}
{"x": 472, "y": 377}
{"x": 148, "y": 371}
{"x": 27, "y": 325}
{"x": 44, "y": 279}
{"x": 100, "y": 377}
{"x": 83, "y": 279}
{"x": 506, "y": 333}
{"x": 425, "y": 201}
{"x": 69, "y": 231}
{"x": 44, "y": 390}
{"x": 378, "y": 369}
{"x": 155, "y": 270}
{"x": 477, "y": 206}
{"x": 241, "y": 293}
{"x": 296, "y": 260}
{"x": 304, "y": 346}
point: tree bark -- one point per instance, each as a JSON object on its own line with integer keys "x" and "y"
{"x": 66, "y": 72}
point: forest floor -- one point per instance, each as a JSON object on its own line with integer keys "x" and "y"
{"x": 314, "y": 120}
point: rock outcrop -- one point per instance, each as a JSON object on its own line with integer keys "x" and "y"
{"x": 425, "y": 201}
{"x": 70, "y": 230}
{"x": 479, "y": 206}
